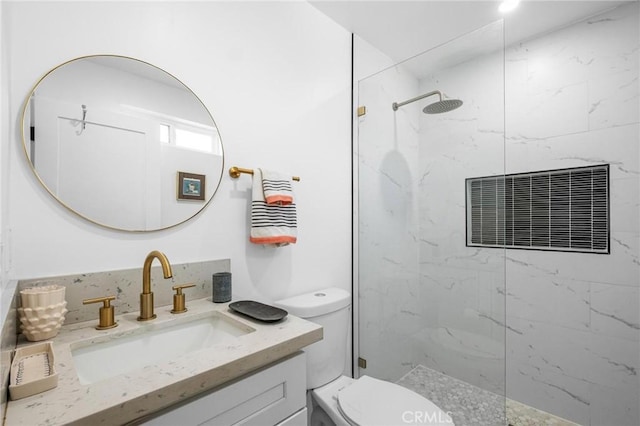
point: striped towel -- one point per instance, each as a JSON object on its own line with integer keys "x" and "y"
{"x": 271, "y": 224}
{"x": 277, "y": 188}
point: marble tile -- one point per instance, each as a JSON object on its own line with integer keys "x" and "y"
{"x": 612, "y": 362}
{"x": 599, "y": 45}
{"x": 464, "y": 317}
{"x": 464, "y": 298}
{"x": 615, "y": 406}
{"x": 615, "y": 311}
{"x": 620, "y": 267}
{"x": 614, "y": 99}
{"x": 593, "y": 357}
{"x": 545, "y": 298}
{"x": 543, "y": 346}
{"x": 548, "y": 390}
{"x": 526, "y": 154}
{"x": 556, "y": 368}
{"x": 384, "y": 360}
{"x": 386, "y": 319}
{"x": 624, "y": 195}
{"x": 559, "y": 111}
{"x": 473, "y": 363}
{"x": 451, "y": 252}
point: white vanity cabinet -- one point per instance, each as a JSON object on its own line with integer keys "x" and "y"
{"x": 273, "y": 395}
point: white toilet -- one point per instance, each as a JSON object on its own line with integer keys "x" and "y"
{"x": 336, "y": 399}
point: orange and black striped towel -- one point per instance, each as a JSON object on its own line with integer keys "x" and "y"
{"x": 277, "y": 187}
{"x": 274, "y": 225}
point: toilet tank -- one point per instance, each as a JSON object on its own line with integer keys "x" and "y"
{"x": 330, "y": 309}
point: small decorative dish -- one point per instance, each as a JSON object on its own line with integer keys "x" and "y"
{"x": 32, "y": 371}
{"x": 258, "y": 311}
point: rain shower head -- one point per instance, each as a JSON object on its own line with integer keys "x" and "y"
{"x": 443, "y": 105}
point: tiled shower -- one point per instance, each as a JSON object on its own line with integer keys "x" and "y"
{"x": 557, "y": 330}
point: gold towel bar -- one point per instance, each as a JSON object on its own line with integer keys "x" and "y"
{"x": 235, "y": 172}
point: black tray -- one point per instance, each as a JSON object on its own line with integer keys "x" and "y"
{"x": 257, "y": 310}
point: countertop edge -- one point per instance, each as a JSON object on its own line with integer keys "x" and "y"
{"x": 169, "y": 383}
{"x": 165, "y": 397}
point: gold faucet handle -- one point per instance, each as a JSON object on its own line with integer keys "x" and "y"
{"x": 179, "y": 304}
{"x": 106, "y": 299}
{"x": 107, "y": 312}
{"x": 178, "y": 288}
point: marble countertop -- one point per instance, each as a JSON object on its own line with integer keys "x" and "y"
{"x": 132, "y": 395}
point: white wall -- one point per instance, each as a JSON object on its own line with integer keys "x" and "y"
{"x": 6, "y": 344}
{"x": 276, "y": 78}
{"x": 4, "y": 138}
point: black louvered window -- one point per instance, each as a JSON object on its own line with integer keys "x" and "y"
{"x": 564, "y": 210}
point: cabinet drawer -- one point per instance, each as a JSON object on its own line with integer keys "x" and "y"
{"x": 298, "y": 419}
{"x": 265, "y": 397}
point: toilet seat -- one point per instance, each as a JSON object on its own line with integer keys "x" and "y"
{"x": 370, "y": 402}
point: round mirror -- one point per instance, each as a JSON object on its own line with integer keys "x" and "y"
{"x": 122, "y": 143}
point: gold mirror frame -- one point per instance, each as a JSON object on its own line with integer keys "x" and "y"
{"x": 26, "y": 135}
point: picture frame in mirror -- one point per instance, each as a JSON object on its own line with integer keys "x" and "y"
{"x": 191, "y": 186}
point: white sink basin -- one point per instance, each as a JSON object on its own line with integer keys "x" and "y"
{"x": 150, "y": 345}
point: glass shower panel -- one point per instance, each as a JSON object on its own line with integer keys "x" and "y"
{"x": 431, "y": 310}
{"x": 388, "y": 223}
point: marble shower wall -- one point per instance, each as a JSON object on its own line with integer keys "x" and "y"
{"x": 389, "y": 301}
{"x": 570, "y": 322}
{"x": 572, "y": 319}
{"x": 574, "y": 336}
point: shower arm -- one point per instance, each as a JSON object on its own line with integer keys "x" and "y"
{"x": 397, "y": 105}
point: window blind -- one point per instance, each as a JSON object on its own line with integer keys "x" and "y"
{"x": 566, "y": 210}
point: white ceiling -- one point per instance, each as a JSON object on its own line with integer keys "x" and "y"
{"x": 402, "y": 29}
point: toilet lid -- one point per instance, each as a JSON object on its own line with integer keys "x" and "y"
{"x": 370, "y": 402}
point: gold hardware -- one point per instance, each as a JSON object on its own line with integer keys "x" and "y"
{"x": 107, "y": 312}
{"x": 362, "y": 110}
{"x": 179, "y": 305}
{"x": 362, "y": 363}
{"x": 235, "y": 173}
{"x": 146, "y": 297}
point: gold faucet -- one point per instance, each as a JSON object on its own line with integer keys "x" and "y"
{"x": 146, "y": 297}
